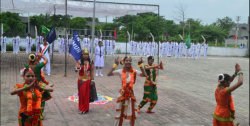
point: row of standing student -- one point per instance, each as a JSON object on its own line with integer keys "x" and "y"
{"x": 167, "y": 48}
{"x": 108, "y": 44}
{"x": 15, "y": 43}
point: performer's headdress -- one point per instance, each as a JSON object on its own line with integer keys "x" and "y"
{"x": 85, "y": 50}
{"x": 150, "y": 57}
{"x": 32, "y": 57}
{"x": 122, "y": 61}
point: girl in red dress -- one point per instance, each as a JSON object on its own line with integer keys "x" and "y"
{"x": 85, "y": 69}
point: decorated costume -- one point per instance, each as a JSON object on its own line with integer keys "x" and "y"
{"x": 126, "y": 101}
{"x": 40, "y": 77}
{"x": 30, "y": 105}
{"x": 150, "y": 89}
{"x": 224, "y": 111}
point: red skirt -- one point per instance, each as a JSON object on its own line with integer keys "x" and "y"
{"x": 83, "y": 94}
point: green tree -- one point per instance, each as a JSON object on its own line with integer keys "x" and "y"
{"x": 78, "y": 22}
{"x": 91, "y": 19}
{"x": 226, "y": 23}
{"x": 12, "y": 22}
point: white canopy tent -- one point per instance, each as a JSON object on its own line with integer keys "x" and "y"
{"x": 76, "y": 8}
{"x": 95, "y": 9}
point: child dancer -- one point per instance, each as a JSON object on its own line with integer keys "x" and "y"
{"x": 30, "y": 95}
{"x": 126, "y": 102}
{"x": 86, "y": 70}
{"x": 224, "y": 110}
{"x": 99, "y": 61}
{"x": 150, "y": 89}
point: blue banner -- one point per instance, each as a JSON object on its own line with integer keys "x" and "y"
{"x": 75, "y": 49}
{"x": 51, "y": 37}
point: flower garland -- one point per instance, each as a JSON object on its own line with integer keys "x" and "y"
{"x": 33, "y": 110}
{"x": 127, "y": 90}
{"x": 151, "y": 75}
{"x": 32, "y": 63}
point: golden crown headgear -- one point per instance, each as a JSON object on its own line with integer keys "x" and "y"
{"x": 85, "y": 50}
{"x": 32, "y": 57}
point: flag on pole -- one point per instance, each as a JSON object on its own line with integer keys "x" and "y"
{"x": 75, "y": 48}
{"x": 235, "y": 36}
{"x": 115, "y": 33}
{"x": 45, "y": 30}
{"x": 51, "y": 37}
{"x": 188, "y": 41}
{"x": 166, "y": 33}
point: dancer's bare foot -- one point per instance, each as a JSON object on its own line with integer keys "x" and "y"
{"x": 138, "y": 111}
{"x": 150, "y": 112}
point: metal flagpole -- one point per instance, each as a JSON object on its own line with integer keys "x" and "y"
{"x": 66, "y": 37}
{"x": 158, "y": 36}
{"x": 54, "y": 41}
{"x": 93, "y": 31}
{"x": 28, "y": 23}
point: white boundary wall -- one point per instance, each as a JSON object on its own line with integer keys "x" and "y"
{"x": 212, "y": 51}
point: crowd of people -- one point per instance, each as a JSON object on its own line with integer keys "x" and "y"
{"x": 168, "y": 48}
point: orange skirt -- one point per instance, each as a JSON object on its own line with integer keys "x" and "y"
{"x": 219, "y": 123}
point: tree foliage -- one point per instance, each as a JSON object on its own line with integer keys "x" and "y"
{"x": 11, "y": 22}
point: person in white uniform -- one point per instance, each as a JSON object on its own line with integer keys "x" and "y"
{"x": 140, "y": 45}
{"x": 63, "y": 41}
{"x": 132, "y": 46}
{"x": 85, "y": 42}
{"x": 90, "y": 44}
{"x": 135, "y": 47}
{"x": 113, "y": 47}
{"x": 177, "y": 49}
{"x": 14, "y": 43}
{"x": 186, "y": 51}
{"x": 181, "y": 48}
{"x": 99, "y": 61}
{"x": 191, "y": 48}
{"x": 96, "y": 41}
{"x": 169, "y": 46}
{"x": 150, "y": 45}
{"x": 38, "y": 42}
{"x": 164, "y": 48}
{"x": 145, "y": 47}
{"x": 59, "y": 44}
{"x": 205, "y": 50}
{"x": 161, "y": 44}
{"x": 199, "y": 49}
{"x": 18, "y": 42}
{"x": 155, "y": 48}
{"x": 109, "y": 46}
{"x": 44, "y": 49}
{"x": 29, "y": 43}
{"x": 194, "y": 50}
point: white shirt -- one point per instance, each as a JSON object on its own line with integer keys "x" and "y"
{"x": 29, "y": 40}
{"x": 161, "y": 45}
{"x": 109, "y": 42}
{"x": 140, "y": 44}
{"x": 47, "y": 53}
{"x": 113, "y": 43}
{"x": 14, "y": 40}
{"x": 199, "y": 46}
{"x": 98, "y": 49}
{"x": 59, "y": 40}
{"x": 135, "y": 44}
{"x": 119, "y": 73}
{"x": 145, "y": 45}
{"x": 132, "y": 43}
{"x": 205, "y": 46}
{"x": 194, "y": 47}
{"x": 150, "y": 44}
{"x": 18, "y": 39}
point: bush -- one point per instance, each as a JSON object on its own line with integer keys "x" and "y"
{"x": 33, "y": 47}
{"x": 118, "y": 51}
{"x": 9, "y": 47}
{"x": 22, "y": 48}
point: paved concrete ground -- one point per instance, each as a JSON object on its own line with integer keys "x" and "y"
{"x": 186, "y": 92}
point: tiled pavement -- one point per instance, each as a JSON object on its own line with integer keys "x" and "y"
{"x": 185, "y": 88}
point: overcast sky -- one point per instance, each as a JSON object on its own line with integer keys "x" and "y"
{"x": 206, "y": 10}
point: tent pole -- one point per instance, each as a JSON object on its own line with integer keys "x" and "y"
{"x": 93, "y": 31}
{"x": 126, "y": 35}
{"x": 66, "y": 37}
{"x": 158, "y": 36}
{"x": 54, "y": 41}
{"x": 105, "y": 37}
